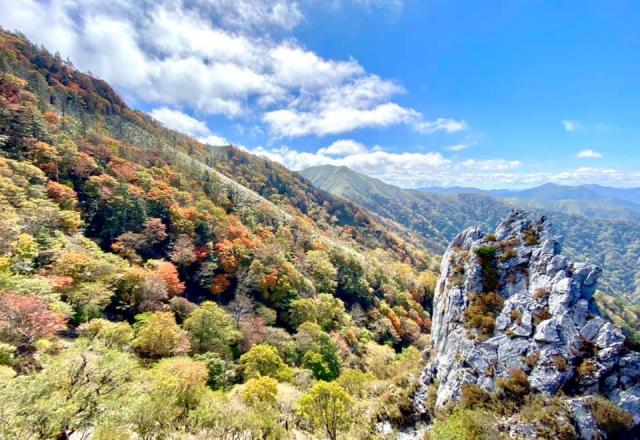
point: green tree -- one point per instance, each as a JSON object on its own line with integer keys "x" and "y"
{"x": 260, "y": 391}
{"x": 210, "y": 328}
{"x": 81, "y": 388}
{"x": 222, "y": 372}
{"x": 158, "y": 335}
{"x": 264, "y": 360}
{"x": 24, "y": 253}
{"x": 326, "y": 407}
{"x": 112, "y": 334}
{"x": 310, "y": 338}
{"x": 325, "y": 310}
{"x": 352, "y": 280}
{"x": 88, "y": 300}
{"x": 179, "y": 382}
{"x": 322, "y": 271}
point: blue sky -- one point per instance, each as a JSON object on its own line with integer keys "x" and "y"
{"x": 416, "y": 92}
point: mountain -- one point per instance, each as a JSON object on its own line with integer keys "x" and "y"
{"x": 613, "y": 244}
{"x": 516, "y": 333}
{"x": 435, "y": 217}
{"x": 628, "y": 194}
{"x": 155, "y": 287}
{"x": 588, "y": 200}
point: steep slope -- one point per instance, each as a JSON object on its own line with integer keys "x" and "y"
{"x": 513, "y": 317}
{"x": 611, "y": 244}
{"x": 127, "y": 259}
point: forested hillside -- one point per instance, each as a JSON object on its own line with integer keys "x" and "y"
{"x": 152, "y": 286}
{"x": 612, "y": 244}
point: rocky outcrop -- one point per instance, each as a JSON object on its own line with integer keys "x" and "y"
{"x": 508, "y": 301}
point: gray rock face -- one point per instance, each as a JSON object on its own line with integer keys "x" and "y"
{"x": 548, "y": 325}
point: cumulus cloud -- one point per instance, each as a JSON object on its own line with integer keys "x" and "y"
{"x": 182, "y": 122}
{"x": 404, "y": 169}
{"x": 343, "y": 147}
{"x": 589, "y": 154}
{"x": 411, "y": 170}
{"x": 179, "y": 121}
{"x": 221, "y": 57}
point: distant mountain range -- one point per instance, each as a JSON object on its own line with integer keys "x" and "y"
{"x": 589, "y": 200}
{"x": 599, "y": 224}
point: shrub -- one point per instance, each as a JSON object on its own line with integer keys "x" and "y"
{"x": 432, "y": 396}
{"x": 541, "y": 293}
{"x": 465, "y": 424}
{"x": 508, "y": 254}
{"x": 530, "y": 237}
{"x": 473, "y": 396}
{"x": 587, "y": 367}
{"x": 560, "y": 363}
{"x": 486, "y": 252}
{"x": 543, "y": 315}
{"x": 7, "y": 353}
{"x": 550, "y": 417}
{"x": 481, "y": 313}
{"x": 515, "y": 386}
{"x": 610, "y": 418}
{"x": 487, "y": 257}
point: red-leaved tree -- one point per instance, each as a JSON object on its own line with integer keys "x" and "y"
{"x": 24, "y": 319}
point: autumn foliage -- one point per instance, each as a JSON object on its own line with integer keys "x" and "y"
{"x": 24, "y": 319}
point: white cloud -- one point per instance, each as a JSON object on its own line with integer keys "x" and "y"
{"x": 343, "y": 147}
{"x": 179, "y": 121}
{"x": 215, "y": 140}
{"x": 570, "y": 126}
{"x": 589, "y": 154}
{"x": 333, "y": 119}
{"x": 404, "y": 169}
{"x": 441, "y": 124}
{"x": 456, "y": 147}
{"x": 412, "y": 170}
{"x": 255, "y": 14}
{"x": 227, "y": 57}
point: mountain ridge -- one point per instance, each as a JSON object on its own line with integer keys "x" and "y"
{"x": 591, "y": 200}
{"x": 613, "y": 244}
